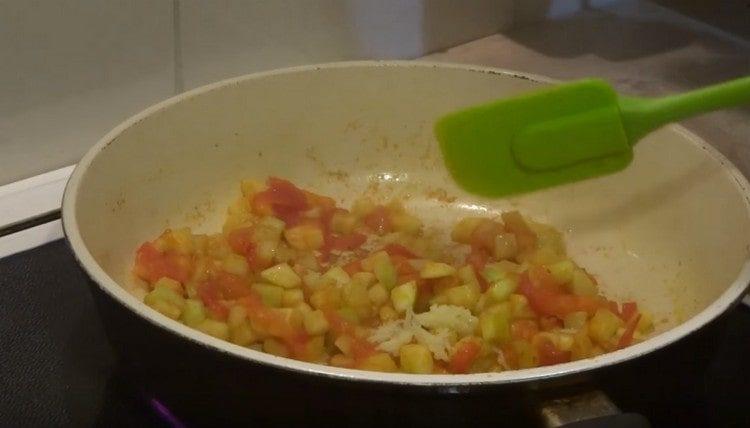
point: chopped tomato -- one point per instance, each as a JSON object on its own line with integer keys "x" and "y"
{"x": 628, "y": 310}
{"x": 353, "y": 267}
{"x": 282, "y": 199}
{"x": 378, "y": 221}
{"x": 510, "y": 356}
{"x": 550, "y": 323}
{"x": 515, "y": 223}
{"x": 549, "y": 354}
{"x": 323, "y": 202}
{"x": 524, "y": 329}
{"x": 362, "y": 349}
{"x": 464, "y": 355}
{"x": 550, "y": 302}
{"x": 627, "y": 336}
{"x": 151, "y": 264}
{"x": 478, "y": 258}
{"x": 241, "y": 240}
{"x": 231, "y": 286}
{"x": 484, "y": 234}
{"x": 210, "y": 296}
{"x": 543, "y": 278}
{"x": 347, "y": 242}
{"x": 399, "y": 250}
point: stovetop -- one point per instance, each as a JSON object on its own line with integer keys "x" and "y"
{"x": 58, "y": 370}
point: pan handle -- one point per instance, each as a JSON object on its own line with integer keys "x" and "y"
{"x": 587, "y": 409}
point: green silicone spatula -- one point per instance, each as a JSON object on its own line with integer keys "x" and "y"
{"x": 562, "y": 134}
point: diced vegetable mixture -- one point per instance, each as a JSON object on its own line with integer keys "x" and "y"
{"x": 294, "y": 275}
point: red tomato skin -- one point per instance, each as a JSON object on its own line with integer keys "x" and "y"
{"x": 551, "y": 302}
{"x": 394, "y": 249}
{"x": 524, "y": 329}
{"x": 348, "y": 242}
{"x": 550, "y": 355}
{"x": 464, "y": 356}
{"x": 209, "y": 295}
{"x": 151, "y": 264}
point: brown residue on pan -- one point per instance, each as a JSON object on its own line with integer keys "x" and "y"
{"x": 353, "y": 125}
{"x": 200, "y": 212}
{"x": 440, "y": 195}
{"x": 338, "y": 174}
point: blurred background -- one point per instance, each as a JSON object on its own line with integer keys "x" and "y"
{"x": 72, "y": 69}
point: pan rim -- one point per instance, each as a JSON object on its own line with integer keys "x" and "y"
{"x": 85, "y": 259}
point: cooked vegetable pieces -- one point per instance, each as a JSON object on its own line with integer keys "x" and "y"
{"x": 296, "y": 276}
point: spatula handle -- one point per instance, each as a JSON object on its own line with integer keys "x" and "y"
{"x": 642, "y": 115}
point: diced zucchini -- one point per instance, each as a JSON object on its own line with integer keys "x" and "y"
{"x": 169, "y": 283}
{"x": 365, "y": 278}
{"x": 467, "y": 276}
{"x": 312, "y": 280}
{"x": 506, "y": 246}
{"x": 242, "y": 334}
{"x": 465, "y": 227}
{"x": 269, "y": 228}
{"x": 293, "y": 297}
{"x": 315, "y": 322}
{"x": 348, "y": 314}
{"x": 562, "y": 271}
{"x": 235, "y": 264}
{"x": 193, "y": 313}
{"x": 501, "y": 290}
{"x": 343, "y": 222}
{"x": 275, "y": 347}
{"x": 416, "y": 358}
{"x": 582, "y": 285}
{"x": 250, "y": 187}
{"x": 217, "y": 329}
{"x": 337, "y": 275}
{"x": 384, "y": 270}
{"x": 582, "y": 346}
{"x": 575, "y": 320}
{"x": 361, "y": 207}
{"x": 406, "y": 223}
{"x": 166, "y": 301}
{"x": 646, "y": 323}
{"x": 356, "y": 295}
{"x": 284, "y": 253}
{"x": 378, "y": 294}
{"x": 326, "y": 297}
{"x": 404, "y": 296}
{"x": 237, "y": 316}
{"x": 493, "y": 272}
{"x": 380, "y": 362}
{"x": 494, "y": 323}
{"x": 436, "y": 270}
{"x": 603, "y": 327}
{"x": 304, "y": 237}
{"x": 271, "y": 295}
{"x": 387, "y": 313}
{"x": 282, "y": 275}
{"x": 527, "y": 355}
{"x": 519, "y": 306}
{"x": 344, "y": 343}
{"x": 463, "y": 295}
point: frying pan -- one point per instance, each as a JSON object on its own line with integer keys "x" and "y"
{"x": 672, "y": 231}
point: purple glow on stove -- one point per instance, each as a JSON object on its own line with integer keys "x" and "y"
{"x": 165, "y": 414}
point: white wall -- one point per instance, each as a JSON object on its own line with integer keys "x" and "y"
{"x": 71, "y": 70}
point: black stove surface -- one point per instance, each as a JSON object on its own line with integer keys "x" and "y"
{"x": 58, "y": 370}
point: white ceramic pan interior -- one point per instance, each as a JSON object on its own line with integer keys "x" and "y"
{"x": 672, "y": 231}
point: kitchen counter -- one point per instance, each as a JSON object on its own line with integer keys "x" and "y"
{"x": 641, "y": 48}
